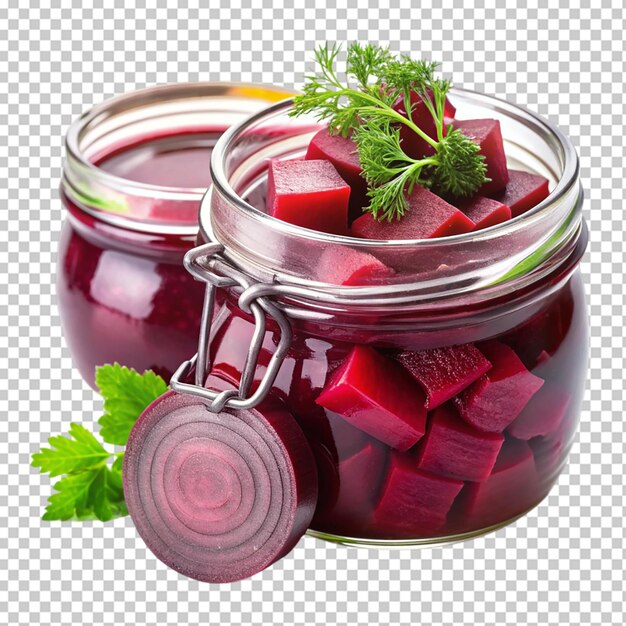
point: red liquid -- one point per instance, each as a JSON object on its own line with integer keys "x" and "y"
{"x": 177, "y": 161}
{"x": 124, "y": 295}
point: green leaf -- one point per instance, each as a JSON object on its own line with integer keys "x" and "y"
{"x": 90, "y": 494}
{"x": 67, "y": 456}
{"x": 126, "y": 394}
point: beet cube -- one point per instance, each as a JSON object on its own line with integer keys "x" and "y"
{"x": 523, "y": 191}
{"x": 309, "y": 194}
{"x": 342, "y": 153}
{"x": 411, "y": 142}
{"x": 499, "y": 396}
{"x": 485, "y": 212}
{"x": 346, "y": 266}
{"x": 511, "y": 489}
{"x": 542, "y": 415}
{"x": 374, "y": 394}
{"x": 452, "y": 448}
{"x": 428, "y": 216}
{"x": 413, "y": 502}
{"x": 487, "y": 134}
{"x": 444, "y": 372}
{"x": 360, "y": 476}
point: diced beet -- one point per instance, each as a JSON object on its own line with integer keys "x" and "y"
{"x": 310, "y": 194}
{"x": 428, "y": 216}
{"x": 485, "y": 212}
{"x": 374, "y": 394}
{"x": 511, "y": 489}
{"x": 360, "y": 477}
{"x": 543, "y": 414}
{"x": 413, "y": 502}
{"x": 342, "y": 153}
{"x": 328, "y": 477}
{"x": 218, "y": 497}
{"x": 487, "y": 134}
{"x": 411, "y": 142}
{"x": 499, "y": 396}
{"x": 346, "y": 266}
{"x": 452, "y": 448}
{"x": 522, "y": 192}
{"x": 444, "y": 372}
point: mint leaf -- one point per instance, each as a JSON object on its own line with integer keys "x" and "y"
{"x": 67, "y": 456}
{"x": 126, "y": 394}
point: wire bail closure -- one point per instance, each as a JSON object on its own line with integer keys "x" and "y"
{"x": 205, "y": 264}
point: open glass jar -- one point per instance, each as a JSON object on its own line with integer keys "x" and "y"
{"x": 511, "y": 293}
{"x": 137, "y": 167}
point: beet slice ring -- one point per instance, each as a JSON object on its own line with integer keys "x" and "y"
{"x": 218, "y": 496}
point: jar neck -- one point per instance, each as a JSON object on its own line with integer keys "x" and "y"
{"x": 192, "y": 116}
{"x": 430, "y": 275}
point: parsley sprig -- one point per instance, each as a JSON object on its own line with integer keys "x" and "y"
{"x": 363, "y": 104}
{"x": 91, "y": 483}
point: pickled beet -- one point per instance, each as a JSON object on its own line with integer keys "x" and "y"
{"x": 411, "y": 142}
{"x": 310, "y": 194}
{"x": 413, "y": 502}
{"x": 342, "y": 153}
{"x": 345, "y": 266}
{"x": 427, "y": 216}
{"x": 452, "y": 448}
{"x": 444, "y": 372}
{"x": 485, "y": 212}
{"x": 374, "y": 394}
{"x": 510, "y": 490}
{"x": 542, "y": 415}
{"x": 367, "y": 466}
{"x": 522, "y": 192}
{"x": 499, "y": 396}
{"x": 487, "y": 134}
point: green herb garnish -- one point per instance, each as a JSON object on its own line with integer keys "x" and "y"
{"x": 363, "y": 103}
{"x": 91, "y": 483}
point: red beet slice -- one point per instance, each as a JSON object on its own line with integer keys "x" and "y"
{"x": 523, "y": 191}
{"x": 444, "y": 372}
{"x": 345, "y": 266}
{"x": 543, "y": 414}
{"x": 218, "y": 497}
{"x": 342, "y": 153}
{"x": 411, "y": 142}
{"x": 310, "y": 194}
{"x": 413, "y": 503}
{"x": 487, "y": 134}
{"x": 511, "y": 489}
{"x": 377, "y": 396}
{"x": 499, "y": 396}
{"x": 452, "y": 448}
{"x": 428, "y": 216}
{"x": 485, "y": 212}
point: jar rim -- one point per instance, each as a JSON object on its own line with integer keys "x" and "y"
{"x": 567, "y": 180}
{"x": 77, "y": 159}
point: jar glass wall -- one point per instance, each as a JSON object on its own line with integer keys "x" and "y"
{"x": 484, "y": 333}
{"x": 137, "y": 167}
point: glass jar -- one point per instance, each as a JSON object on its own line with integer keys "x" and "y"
{"x": 487, "y": 329}
{"x": 137, "y": 167}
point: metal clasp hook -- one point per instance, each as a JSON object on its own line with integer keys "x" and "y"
{"x": 206, "y": 264}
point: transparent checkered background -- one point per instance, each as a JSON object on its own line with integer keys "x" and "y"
{"x": 562, "y": 564}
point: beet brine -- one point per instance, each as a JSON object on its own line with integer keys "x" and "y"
{"x": 136, "y": 170}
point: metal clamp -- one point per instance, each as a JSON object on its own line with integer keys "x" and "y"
{"x": 205, "y": 264}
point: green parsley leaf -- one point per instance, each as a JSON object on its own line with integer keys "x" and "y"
{"x": 126, "y": 394}
{"x": 91, "y": 486}
{"x": 67, "y": 456}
